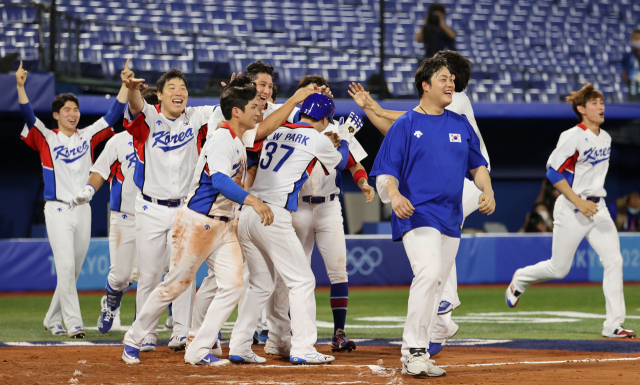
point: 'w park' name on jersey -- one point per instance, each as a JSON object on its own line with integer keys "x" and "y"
{"x": 297, "y": 138}
{"x": 167, "y": 142}
{"x": 71, "y": 155}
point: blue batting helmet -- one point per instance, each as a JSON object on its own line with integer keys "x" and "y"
{"x": 319, "y": 106}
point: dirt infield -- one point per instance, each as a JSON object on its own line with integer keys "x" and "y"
{"x": 367, "y": 365}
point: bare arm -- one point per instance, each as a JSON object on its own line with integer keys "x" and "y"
{"x": 21, "y": 77}
{"x": 363, "y": 183}
{"x": 419, "y": 36}
{"x": 382, "y": 119}
{"x": 587, "y": 208}
{"x": 482, "y": 180}
{"x": 136, "y": 103}
{"x": 95, "y": 180}
{"x": 451, "y": 33}
{"x": 401, "y": 205}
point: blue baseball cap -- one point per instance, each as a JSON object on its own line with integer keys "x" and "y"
{"x": 319, "y": 106}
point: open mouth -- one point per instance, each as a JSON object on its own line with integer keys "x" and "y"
{"x": 72, "y": 121}
{"x": 177, "y": 102}
{"x": 449, "y": 92}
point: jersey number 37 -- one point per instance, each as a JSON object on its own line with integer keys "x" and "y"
{"x": 271, "y": 148}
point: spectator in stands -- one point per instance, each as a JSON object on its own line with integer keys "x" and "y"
{"x": 625, "y": 212}
{"x": 631, "y": 66}
{"x": 435, "y": 34}
{"x": 538, "y": 221}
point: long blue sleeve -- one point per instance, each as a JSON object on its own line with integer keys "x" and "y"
{"x": 554, "y": 176}
{"x": 228, "y": 188}
{"x": 344, "y": 151}
{"x": 27, "y": 114}
{"x": 115, "y": 111}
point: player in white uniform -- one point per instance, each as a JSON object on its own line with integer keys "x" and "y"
{"x": 66, "y": 154}
{"x": 288, "y": 157}
{"x": 168, "y": 138}
{"x": 444, "y": 327}
{"x": 577, "y": 168}
{"x": 203, "y": 229}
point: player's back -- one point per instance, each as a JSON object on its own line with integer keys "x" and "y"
{"x": 288, "y": 156}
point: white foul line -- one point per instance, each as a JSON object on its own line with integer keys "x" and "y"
{"x": 543, "y": 362}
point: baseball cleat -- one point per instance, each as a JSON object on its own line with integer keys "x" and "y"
{"x": 56, "y": 330}
{"x": 340, "y": 342}
{"x": 105, "y": 321}
{"x": 418, "y": 364}
{"x": 77, "y": 332}
{"x": 178, "y": 343}
{"x": 148, "y": 344}
{"x": 444, "y": 307}
{"x": 263, "y": 337}
{"x": 250, "y": 358}
{"x": 620, "y": 332}
{"x": 434, "y": 348}
{"x": 513, "y": 295}
{"x": 211, "y": 360}
{"x": 130, "y": 355}
{"x": 216, "y": 350}
{"x": 311, "y": 359}
{"x": 272, "y": 348}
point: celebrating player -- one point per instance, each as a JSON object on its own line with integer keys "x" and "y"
{"x": 577, "y": 168}
{"x": 444, "y": 327}
{"x": 420, "y": 169}
{"x": 66, "y": 154}
{"x": 288, "y": 156}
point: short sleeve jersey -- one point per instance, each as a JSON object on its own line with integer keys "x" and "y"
{"x": 288, "y": 156}
{"x": 224, "y": 152}
{"x": 461, "y": 105}
{"x": 167, "y": 149}
{"x": 582, "y": 157}
{"x": 66, "y": 160}
{"x": 430, "y": 155}
{"x": 116, "y": 164}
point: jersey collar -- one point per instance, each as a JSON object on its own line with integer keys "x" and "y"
{"x": 585, "y": 128}
{"x": 225, "y": 125}
{"x": 157, "y": 106}
{"x": 296, "y": 125}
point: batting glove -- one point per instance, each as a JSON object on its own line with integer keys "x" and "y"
{"x": 350, "y": 127}
{"x": 85, "y": 195}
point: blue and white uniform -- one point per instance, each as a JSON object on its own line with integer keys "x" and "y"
{"x": 288, "y": 158}
{"x": 429, "y": 156}
{"x": 66, "y": 161}
{"x": 582, "y": 158}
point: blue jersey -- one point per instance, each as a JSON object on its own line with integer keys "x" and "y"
{"x": 430, "y": 156}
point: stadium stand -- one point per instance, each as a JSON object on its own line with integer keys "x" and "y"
{"x": 522, "y": 50}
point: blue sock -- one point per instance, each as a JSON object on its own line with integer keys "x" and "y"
{"x": 170, "y": 310}
{"x": 339, "y": 302}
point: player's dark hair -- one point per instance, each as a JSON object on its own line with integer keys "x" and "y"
{"x": 635, "y": 30}
{"x": 459, "y": 66}
{"x": 582, "y": 97}
{"x": 61, "y": 99}
{"x": 259, "y": 67}
{"x": 315, "y": 79}
{"x": 238, "y": 93}
{"x": 150, "y": 95}
{"x": 274, "y": 93}
{"x": 174, "y": 73}
{"x": 427, "y": 69}
{"x": 305, "y": 116}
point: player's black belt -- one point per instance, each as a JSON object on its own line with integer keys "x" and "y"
{"x": 318, "y": 200}
{"x": 223, "y": 219}
{"x": 162, "y": 202}
{"x": 593, "y": 199}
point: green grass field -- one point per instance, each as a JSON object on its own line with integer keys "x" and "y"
{"x": 572, "y": 312}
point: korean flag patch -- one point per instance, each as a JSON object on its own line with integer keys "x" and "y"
{"x": 455, "y": 138}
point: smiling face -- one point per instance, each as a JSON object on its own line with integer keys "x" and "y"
{"x": 173, "y": 98}
{"x": 68, "y": 117}
{"x": 249, "y": 117}
{"x": 264, "y": 85}
{"x": 440, "y": 92}
{"x": 593, "y": 111}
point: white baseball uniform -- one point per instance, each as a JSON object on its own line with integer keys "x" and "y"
{"x": 203, "y": 230}
{"x": 116, "y": 165}
{"x": 444, "y": 327}
{"x": 582, "y": 158}
{"x": 167, "y": 153}
{"x": 288, "y": 158}
{"x": 65, "y": 166}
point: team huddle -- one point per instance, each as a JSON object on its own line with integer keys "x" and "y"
{"x": 249, "y": 186}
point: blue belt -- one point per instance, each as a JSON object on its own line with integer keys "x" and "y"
{"x": 318, "y": 200}
{"x": 162, "y": 202}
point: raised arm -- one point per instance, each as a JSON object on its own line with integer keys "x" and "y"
{"x": 23, "y": 100}
{"x": 117, "y": 107}
{"x": 136, "y": 103}
{"x": 382, "y": 119}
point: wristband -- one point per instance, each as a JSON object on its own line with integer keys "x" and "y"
{"x": 360, "y": 174}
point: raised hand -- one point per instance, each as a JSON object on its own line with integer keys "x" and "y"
{"x": 135, "y": 84}
{"x": 233, "y": 76}
{"x": 335, "y": 139}
{"x": 21, "y": 75}
{"x": 126, "y": 72}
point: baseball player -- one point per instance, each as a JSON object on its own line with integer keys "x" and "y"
{"x": 577, "y": 168}
{"x": 420, "y": 169}
{"x": 66, "y": 154}
{"x": 444, "y": 327}
{"x": 319, "y": 220}
{"x": 203, "y": 229}
{"x": 287, "y": 159}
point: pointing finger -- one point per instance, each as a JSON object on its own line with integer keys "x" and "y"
{"x": 126, "y": 65}
{"x": 19, "y": 68}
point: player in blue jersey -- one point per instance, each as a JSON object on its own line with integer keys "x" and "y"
{"x": 420, "y": 169}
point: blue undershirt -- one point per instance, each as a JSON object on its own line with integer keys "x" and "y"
{"x": 228, "y": 188}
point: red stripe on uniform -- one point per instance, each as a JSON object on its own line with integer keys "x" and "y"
{"x": 202, "y": 136}
{"x": 96, "y": 139}
{"x": 569, "y": 164}
{"x": 339, "y": 302}
{"x": 37, "y": 141}
{"x": 116, "y": 170}
{"x": 139, "y": 129}
{"x": 311, "y": 165}
{"x": 350, "y": 163}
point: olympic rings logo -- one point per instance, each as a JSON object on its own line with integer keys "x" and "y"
{"x": 363, "y": 262}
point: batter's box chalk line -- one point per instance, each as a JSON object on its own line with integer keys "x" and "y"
{"x": 466, "y": 342}
{"x": 586, "y": 360}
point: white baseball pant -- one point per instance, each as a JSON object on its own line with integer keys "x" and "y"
{"x": 569, "y": 228}
{"x": 196, "y": 238}
{"x": 154, "y": 224}
{"x": 122, "y": 249}
{"x": 69, "y": 234}
{"x": 431, "y": 255}
{"x": 269, "y": 249}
